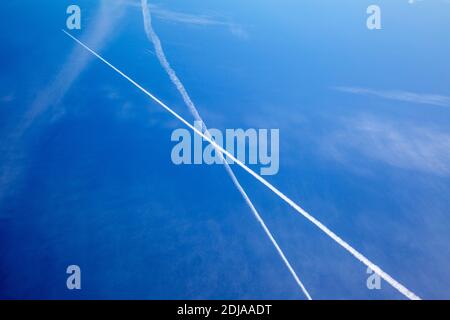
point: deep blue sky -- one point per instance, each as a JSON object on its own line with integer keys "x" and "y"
{"x": 86, "y": 176}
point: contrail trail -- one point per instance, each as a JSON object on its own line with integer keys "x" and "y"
{"x": 153, "y": 37}
{"x": 394, "y": 283}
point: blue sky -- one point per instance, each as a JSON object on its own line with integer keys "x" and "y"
{"x": 86, "y": 176}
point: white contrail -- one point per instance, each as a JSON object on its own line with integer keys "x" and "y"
{"x": 153, "y": 37}
{"x": 397, "y": 285}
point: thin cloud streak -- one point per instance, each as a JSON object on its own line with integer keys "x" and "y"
{"x": 398, "y": 95}
{"x": 49, "y": 98}
{"x": 193, "y": 19}
{"x": 108, "y": 16}
{"x": 201, "y": 20}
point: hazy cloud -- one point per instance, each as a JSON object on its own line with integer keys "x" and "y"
{"x": 395, "y": 144}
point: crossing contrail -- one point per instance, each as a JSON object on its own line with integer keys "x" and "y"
{"x": 153, "y": 37}
{"x": 394, "y": 283}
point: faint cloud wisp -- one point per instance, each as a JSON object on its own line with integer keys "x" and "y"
{"x": 399, "y": 95}
{"x": 194, "y": 19}
{"x": 405, "y": 147}
{"x": 48, "y": 99}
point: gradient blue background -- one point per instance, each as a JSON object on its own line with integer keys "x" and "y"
{"x": 87, "y": 179}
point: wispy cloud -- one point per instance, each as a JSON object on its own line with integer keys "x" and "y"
{"x": 418, "y": 1}
{"x": 398, "y": 95}
{"x": 181, "y": 17}
{"x": 174, "y": 16}
{"x": 97, "y": 35}
{"x": 201, "y": 20}
{"x": 403, "y": 146}
{"x": 48, "y": 98}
